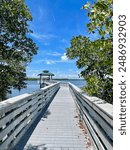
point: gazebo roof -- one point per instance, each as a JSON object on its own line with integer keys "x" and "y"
{"x": 46, "y": 73}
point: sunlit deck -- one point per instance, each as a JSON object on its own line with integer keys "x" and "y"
{"x": 56, "y": 117}
{"x": 59, "y": 128}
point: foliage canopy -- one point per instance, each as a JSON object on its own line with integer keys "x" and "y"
{"x": 95, "y": 56}
{"x": 16, "y": 48}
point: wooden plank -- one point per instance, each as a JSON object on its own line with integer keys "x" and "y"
{"x": 59, "y": 127}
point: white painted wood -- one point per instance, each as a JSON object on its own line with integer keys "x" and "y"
{"x": 60, "y": 128}
{"x": 18, "y": 113}
{"x": 98, "y": 114}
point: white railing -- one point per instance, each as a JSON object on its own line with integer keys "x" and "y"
{"x": 18, "y": 113}
{"x": 97, "y": 116}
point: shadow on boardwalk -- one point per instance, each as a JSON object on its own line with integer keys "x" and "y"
{"x": 32, "y": 147}
{"x": 25, "y": 138}
{"x": 44, "y": 114}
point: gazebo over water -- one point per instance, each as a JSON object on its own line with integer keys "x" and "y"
{"x": 45, "y": 75}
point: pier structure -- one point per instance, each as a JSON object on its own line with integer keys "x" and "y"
{"x": 45, "y": 76}
{"x": 57, "y": 117}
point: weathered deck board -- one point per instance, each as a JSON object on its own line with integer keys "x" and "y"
{"x": 59, "y": 128}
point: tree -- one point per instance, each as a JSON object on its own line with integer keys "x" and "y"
{"x": 95, "y": 57}
{"x": 16, "y": 48}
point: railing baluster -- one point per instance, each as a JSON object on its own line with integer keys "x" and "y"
{"x": 18, "y": 113}
{"x": 97, "y": 116}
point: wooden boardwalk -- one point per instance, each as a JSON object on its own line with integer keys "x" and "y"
{"x": 59, "y": 128}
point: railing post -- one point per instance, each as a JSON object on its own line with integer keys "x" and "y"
{"x": 18, "y": 113}
{"x": 97, "y": 115}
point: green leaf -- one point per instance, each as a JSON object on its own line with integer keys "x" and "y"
{"x": 16, "y": 48}
{"x": 95, "y": 57}
{"x": 86, "y": 6}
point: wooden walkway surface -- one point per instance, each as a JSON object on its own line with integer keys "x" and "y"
{"x": 59, "y": 128}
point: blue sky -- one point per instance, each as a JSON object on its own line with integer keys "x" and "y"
{"x": 54, "y": 24}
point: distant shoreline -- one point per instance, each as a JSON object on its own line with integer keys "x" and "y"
{"x": 33, "y": 79}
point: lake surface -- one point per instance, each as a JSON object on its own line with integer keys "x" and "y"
{"x": 34, "y": 85}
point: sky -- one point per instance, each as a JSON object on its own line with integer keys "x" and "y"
{"x": 54, "y": 24}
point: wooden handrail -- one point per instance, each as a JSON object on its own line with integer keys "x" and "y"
{"x": 18, "y": 113}
{"x": 97, "y": 115}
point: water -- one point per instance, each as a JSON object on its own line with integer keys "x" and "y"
{"x": 31, "y": 86}
{"x": 78, "y": 82}
{"x": 34, "y": 85}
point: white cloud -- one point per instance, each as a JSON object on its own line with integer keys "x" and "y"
{"x": 45, "y": 61}
{"x": 50, "y": 62}
{"x": 39, "y": 61}
{"x": 64, "y": 57}
{"x": 64, "y": 75}
{"x": 33, "y": 72}
{"x": 57, "y": 71}
{"x": 42, "y": 13}
{"x": 36, "y": 35}
{"x": 64, "y": 41}
{"x": 40, "y": 36}
{"x": 54, "y": 54}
